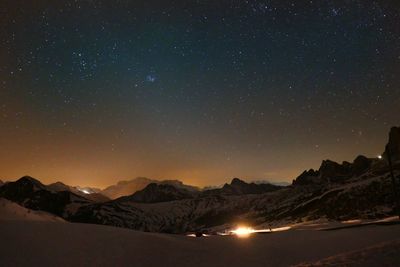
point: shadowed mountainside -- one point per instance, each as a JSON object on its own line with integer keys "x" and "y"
{"x": 57, "y": 198}
{"x": 126, "y": 188}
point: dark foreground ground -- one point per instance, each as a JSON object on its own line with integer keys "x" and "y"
{"x": 30, "y": 243}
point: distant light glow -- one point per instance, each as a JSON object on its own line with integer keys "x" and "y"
{"x": 194, "y": 235}
{"x": 379, "y": 157}
{"x": 284, "y": 228}
{"x": 243, "y": 231}
{"x": 352, "y": 221}
{"x": 85, "y": 191}
{"x": 191, "y": 235}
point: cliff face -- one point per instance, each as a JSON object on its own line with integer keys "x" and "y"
{"x": 393, "y": 146}
{"x": 333, "y": 172}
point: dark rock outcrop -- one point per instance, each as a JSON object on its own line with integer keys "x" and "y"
{"x": 307, "y": 178}
{"x": 333, "y": 172}
{"x": 393, "y": 146}
{"x": 239, "y": 187}
{"x": 360, "y": 165}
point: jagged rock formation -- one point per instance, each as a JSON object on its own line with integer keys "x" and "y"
{"x": 239, "y": 187}
{"x": 333, "y": 172}
{"x": 308, "y": 177}
{"x": 360, "y": 165}
{"x": 393, "y": 146}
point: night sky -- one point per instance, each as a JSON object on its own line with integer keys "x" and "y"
{"x": 92, "y": 92}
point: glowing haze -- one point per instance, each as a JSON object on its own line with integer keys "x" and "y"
{"x": 93, "y": 92}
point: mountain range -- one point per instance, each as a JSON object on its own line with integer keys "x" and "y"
{"x": 336, "y": 191}
{"x": 125, "y": 188}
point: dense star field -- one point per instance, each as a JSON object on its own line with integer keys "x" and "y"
{"x": 92, "y": 92}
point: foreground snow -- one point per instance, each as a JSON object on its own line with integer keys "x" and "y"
{"x": 383, "y": 254}
{"x": 12, "y": 211}
{"x": 32, "y": 243}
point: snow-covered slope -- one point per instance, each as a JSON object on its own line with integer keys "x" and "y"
{"x": 69, "y": 244}
{"x": 382, "y": 254}
{"x": 12, "y": 211}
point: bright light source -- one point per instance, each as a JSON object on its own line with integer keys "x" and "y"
{"x": 84, "y": 191}
{"x": 243, "y": 231}
{"x": 379, "y": 157}
{"x": 191, "y": 235}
